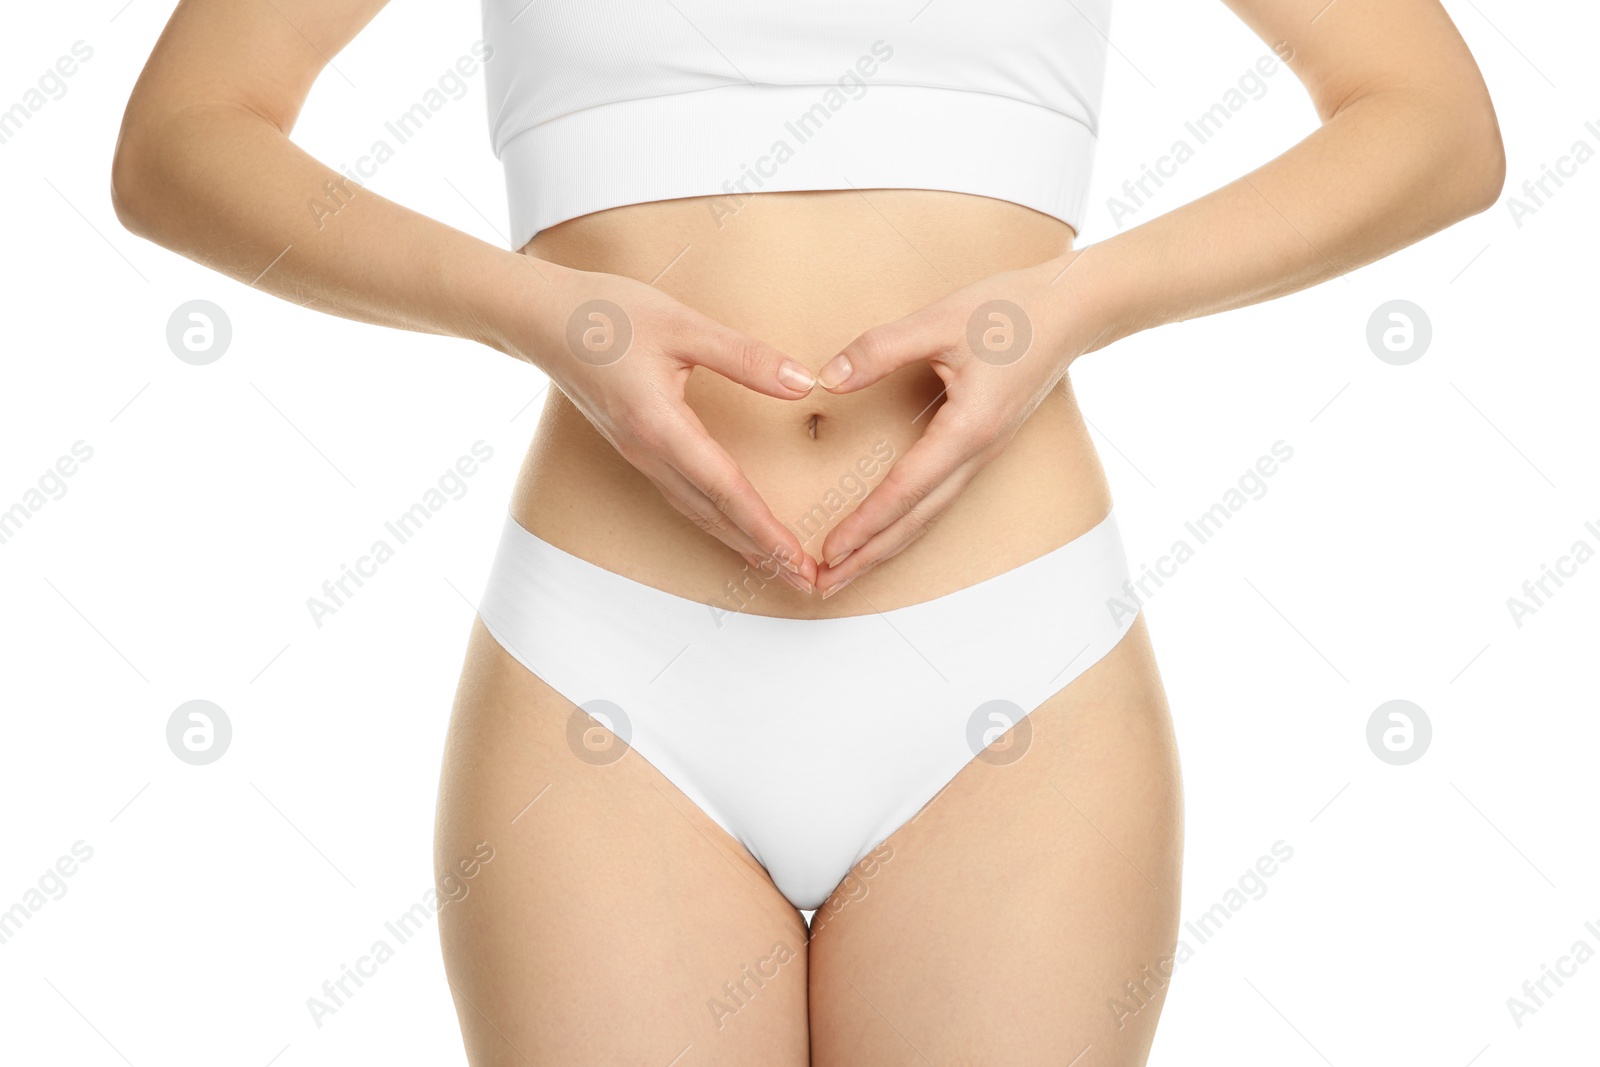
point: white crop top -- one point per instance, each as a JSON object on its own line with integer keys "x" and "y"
{"x": 599, "y": 103}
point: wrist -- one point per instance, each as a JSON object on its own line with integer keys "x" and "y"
{"x": 499, "y": 292}
{"x": 1092, "y": 283}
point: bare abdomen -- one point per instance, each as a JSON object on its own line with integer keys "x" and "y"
{"x": 807, "y": 272}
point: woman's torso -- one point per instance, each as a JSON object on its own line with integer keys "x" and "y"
{"x": 807, "y": 272}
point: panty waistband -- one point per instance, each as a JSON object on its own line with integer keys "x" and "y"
{"x": 1069, "y": 599}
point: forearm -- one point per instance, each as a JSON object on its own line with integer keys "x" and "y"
{"x": 227, "y": 188}
{"x": 1380, "y": 174}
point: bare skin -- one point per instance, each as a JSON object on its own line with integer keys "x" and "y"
{"x": 998, "y": 924}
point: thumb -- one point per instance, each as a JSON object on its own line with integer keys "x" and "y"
{"x": 741, "y": 358}
{"x": 880, "y": 351}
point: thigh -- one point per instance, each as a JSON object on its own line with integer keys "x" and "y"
{"x": 1028, "y": 913}
{"x": 591, "y": 913}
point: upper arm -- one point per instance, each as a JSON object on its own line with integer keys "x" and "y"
{"x": 260, "y": 55}
{"x": 1343, "y": 49}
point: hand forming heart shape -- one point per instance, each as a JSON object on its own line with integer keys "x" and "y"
{"x": 999, "y": 345}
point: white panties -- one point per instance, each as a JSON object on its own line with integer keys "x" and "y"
{"x": 810, "y": 741}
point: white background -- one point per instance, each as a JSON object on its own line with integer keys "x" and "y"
{"x": 1377, "y": 566}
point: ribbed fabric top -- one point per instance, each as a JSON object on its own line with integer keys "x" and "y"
{"x": 599, "y": 103}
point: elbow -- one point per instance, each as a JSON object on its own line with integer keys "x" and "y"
{"x": 132, "y": 183}
{"x": 1458, "y": 159}
{"x": 1476, "y": 154}
{"x": 1482, "y": 163}
{"x": 1446, "y": 141}
{"x": 145, "y": 177}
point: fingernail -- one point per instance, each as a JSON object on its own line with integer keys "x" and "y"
{"x": 786, "y": 561}
{"x": 796, "y": 581}
{"x": 836, "y": 372}
{"x": 795, "y": 376}
{"x": 832, "y": 589}
{"x": 835, "y": 561}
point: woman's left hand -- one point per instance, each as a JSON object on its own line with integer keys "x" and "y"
{"x": 999, "y": 345}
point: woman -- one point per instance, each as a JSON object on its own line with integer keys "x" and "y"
{"x": 804, "y": 281}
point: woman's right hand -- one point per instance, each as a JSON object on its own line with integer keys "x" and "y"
{"x": 622, "y": 350}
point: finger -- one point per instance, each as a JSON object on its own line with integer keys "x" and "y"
{"x": 882, "y": 350}
{"x": 698, "y": 509}
{"x": 711, "y": 470}
{"x": 936, "y": 455}
{"x": 656, "y": 437}
{"x": 763, "y": 559}
{"x": 741, "y": 358}
{"x": 898, "y": 535}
